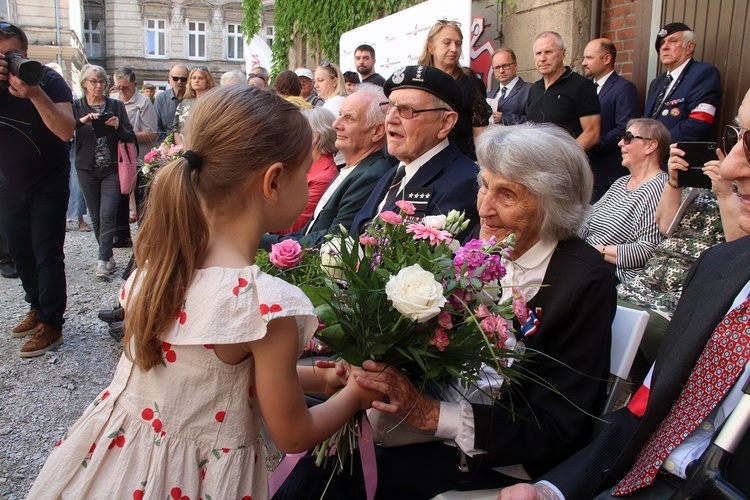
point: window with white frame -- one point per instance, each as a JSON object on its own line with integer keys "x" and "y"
{"x": 156, "y": 38}
{"x": 270, "y": 34}
{"x": 4, "y": 10}
{"x": 196, "y": 40}
{"x": 235, "y": 42}
{"x": 92, "y": 38}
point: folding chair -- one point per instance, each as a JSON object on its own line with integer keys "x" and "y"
{"x": 627, "y": 332}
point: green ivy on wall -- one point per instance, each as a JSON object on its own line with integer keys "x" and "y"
{"x": 317, "y": 22}
{"x": 251, "y": 21}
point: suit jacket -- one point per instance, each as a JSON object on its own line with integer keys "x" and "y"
{"x": 710, "y": 288}
{"x": 342, "y": 206}
{"x": 575, "y": 309}
{"x": 513, "y": 106}
{"x": 689, "y": 109}
{"x": 450, "y": 176}
{"x": 619, "y": 101}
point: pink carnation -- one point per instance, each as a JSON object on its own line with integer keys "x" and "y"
{"x": 286, "y": 254}
{"x": 434, "y": 236}
{"x": 368, "y": 241}
{"x": 520, "y": 310}
{"x": 440, "y": 339}
{"x": 390, "y": 217}
{"x": 489, "y": 325}
{"x": 151, "y": 155}
{"x": 444, "y": 320}
{"x": 406, "y": 206}
{"x": 174, "y": 149}
{"x": 481, "y": 311}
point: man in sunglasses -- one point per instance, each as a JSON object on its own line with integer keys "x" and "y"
{"x": 686, "y": 97}
{"x": 166, "y": 102}
{"x": 645, "y": 450}
{"x": 36, "y": 123}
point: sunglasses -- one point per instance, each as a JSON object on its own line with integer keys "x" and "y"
{"x": 202, "y": 68}
{"x": 9, "y": 28}
{"x": 446, "y": 22}
{"x": 405, "y": 112}
{"x": 326, "y": 64}
{"x": 628, "y": 137}
{"x": 182, "y": 79}
{"x": 732, "y": 136}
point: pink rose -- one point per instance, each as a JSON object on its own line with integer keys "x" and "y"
{"x": 406, "y": 206}
{"x": 390, "y": 217}
{"x": 286, "y": 254}
{"x": 440, "y": 339}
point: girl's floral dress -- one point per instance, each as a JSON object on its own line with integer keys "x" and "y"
{"x": 188, "y": 428}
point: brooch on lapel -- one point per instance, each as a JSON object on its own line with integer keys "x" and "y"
{"x": 532, "y": 324}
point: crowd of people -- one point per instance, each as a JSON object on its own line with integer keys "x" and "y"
{"x": 587, "y": 181}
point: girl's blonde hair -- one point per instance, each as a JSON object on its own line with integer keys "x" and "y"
{"x": 210, "y": 82}
{"x": 238, "y": 131}
{"x": 426, "y": 59}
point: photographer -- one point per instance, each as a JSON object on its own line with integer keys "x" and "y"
{"x": 36, "y": 123}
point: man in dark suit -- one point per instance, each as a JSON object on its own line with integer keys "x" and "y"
{"x": 719, "y": 282}
{"x": 432, "y": 173}
{"x": 686, "y": 97}
{"x": 619, "y": 102}
{"x": 512, "y": 92}
{"x": 360, "y": 136}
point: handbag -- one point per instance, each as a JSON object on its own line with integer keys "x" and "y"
{"x": 127, "y": 167}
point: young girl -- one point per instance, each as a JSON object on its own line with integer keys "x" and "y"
{"x": 211, "y": 342}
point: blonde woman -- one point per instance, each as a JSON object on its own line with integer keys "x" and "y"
{"x": 329, "y": 82}
{"x": 200, "y": 81}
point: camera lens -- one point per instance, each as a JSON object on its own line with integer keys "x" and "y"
{"x": 29, "y": 71}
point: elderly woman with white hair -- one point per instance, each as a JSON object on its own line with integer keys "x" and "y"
{"x": 323, "y": 168}
{"x": 101, "y": 123}
{"x": 535, "y": 183}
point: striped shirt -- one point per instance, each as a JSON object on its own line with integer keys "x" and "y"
{"x": 626, "y": 219}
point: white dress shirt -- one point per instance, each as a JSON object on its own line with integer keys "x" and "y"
{"x": 601, "y": 81}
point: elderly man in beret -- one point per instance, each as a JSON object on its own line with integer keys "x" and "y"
{"x": 432, "y": 173}
{"x": 686, "y": 97}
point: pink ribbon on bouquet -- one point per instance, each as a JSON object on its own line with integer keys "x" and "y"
{"x": 366, "y": 454}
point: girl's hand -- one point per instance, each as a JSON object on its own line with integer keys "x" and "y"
{"x": 113, "y": 122}
{"x": 719, "y": 185}
{"x": 675, "y": 163}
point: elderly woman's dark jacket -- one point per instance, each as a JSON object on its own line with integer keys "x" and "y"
{"x": 85, "y": 141}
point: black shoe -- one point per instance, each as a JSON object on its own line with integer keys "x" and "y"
{"x": 112, "y": 315}
{"x": 122, "y": 243}
{"x": 8, "y": 270}
{"x": 117, "y": 330}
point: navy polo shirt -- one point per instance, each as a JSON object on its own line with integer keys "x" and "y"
{"x": 565, "y": 101}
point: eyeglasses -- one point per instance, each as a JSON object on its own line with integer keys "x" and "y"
{"x": 628, "y": 137}
{"x": 120, "y": 88}
{"x": 96, "y": 83}
{"x": 10, "y": 29}
{"x": 202, "y": 68}
{"x": 732, "y": 136}
{"x": 182, "y": 79}
{"x": 405, "y": 112}
{"x": 446, "y": 22}
{"x": 326, "y": 64}
{"x": 503, "y": 66}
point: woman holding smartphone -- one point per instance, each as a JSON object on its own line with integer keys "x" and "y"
{"x": 101, "y": 123}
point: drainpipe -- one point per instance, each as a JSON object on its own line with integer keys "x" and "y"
{"x": 596, "y": 19}
{"x": 58, "y": 37}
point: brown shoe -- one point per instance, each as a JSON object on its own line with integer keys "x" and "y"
{"x": 27, "y": 326}
{"x": 46, "y": 338}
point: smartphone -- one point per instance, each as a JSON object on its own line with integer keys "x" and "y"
{"x": 697, "y": 153}
{"x": 103, "y": 117}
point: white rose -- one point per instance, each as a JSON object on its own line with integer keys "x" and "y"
{"x": 434, "y": 221}
{"x": 330, "y": 257}
{"x": 415, "y": 294}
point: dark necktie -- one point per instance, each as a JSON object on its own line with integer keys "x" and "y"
{"x": 660, "y": 97}
{"x": 395, "y": 186}
{"x": 715, "y": 372}
{"x": 502, "y": 92}
{"x": 596, "y": 86}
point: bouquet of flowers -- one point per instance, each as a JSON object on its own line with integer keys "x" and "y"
{"x": 158, "y": 157}
{"x": 409, "y": 295}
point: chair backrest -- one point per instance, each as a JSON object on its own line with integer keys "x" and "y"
{"x": 627, "y": 331}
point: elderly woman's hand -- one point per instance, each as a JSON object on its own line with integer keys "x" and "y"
{"x": 719, "y": 185}
{"x": 676, "y": 163}
{"x": 403, "y": 399}
{"x": 113, "y": 122}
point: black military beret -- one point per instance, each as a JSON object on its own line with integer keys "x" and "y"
{"x": 427, "y": 78}
{"x": 668, "y": 30}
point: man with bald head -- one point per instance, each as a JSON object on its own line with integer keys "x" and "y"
{"x": 562, "y": 96}
{"x": 360, "y": 136}
{"x": 687, "y": 96}
{"x": 618, "y": 98}
{"x": 166, "y": 102}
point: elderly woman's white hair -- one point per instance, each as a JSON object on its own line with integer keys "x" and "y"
{"x": 547, "y": 161}
{"x": 90, "y": 70}
{"x": 324, "y": 135}
{"x": 232, "y": 78}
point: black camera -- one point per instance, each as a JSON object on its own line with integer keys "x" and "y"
{"x": 28, "y": 70}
